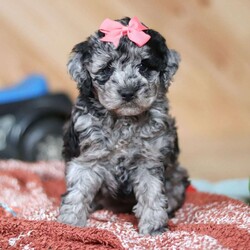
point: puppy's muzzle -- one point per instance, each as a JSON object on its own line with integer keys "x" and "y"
{"x": 128, "y": 94}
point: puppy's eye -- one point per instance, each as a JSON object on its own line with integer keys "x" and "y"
{"x": 146, "y": 66}
{"x": 143, "y": 67}
{"x": 105, "y": 73}
{"x": 108, "y": 70}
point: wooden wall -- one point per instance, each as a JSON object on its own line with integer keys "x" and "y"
{"x": 210, "y": 96}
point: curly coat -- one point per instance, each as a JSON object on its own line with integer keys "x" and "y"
{"x": 121, "y": 145}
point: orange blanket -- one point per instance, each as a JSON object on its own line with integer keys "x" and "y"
{"x": 30, "y": 196}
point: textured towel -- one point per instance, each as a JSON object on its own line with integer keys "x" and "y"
{"x": 30, "y": 196}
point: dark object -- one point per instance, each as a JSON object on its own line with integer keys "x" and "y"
{"x": 31, "y": 129}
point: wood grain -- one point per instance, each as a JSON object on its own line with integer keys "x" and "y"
{"x": 210, "y": 95}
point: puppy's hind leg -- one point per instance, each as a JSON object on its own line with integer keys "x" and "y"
{"x": 151, "y": 207}
{"x": 176, "y": 183}
{"x": 83, "y": 183}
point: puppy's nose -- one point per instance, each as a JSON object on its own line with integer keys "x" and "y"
{"x": 127, "y": 94}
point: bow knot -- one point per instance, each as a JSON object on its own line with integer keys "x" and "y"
{"x": 114, "y": 30}
{"x": 125, "y": 30}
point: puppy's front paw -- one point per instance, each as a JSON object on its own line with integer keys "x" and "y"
{"x": 71, "y": 218}
{"x": 159, "y": 231}
{"x": 149, "y": 229}
{"x": 154, "y": 223}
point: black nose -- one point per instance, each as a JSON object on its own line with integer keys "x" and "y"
{"x": 127, "y": 94}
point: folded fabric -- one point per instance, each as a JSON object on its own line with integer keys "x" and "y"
{"x": 30, "y": 197}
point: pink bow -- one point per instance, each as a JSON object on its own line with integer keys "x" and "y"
{"x": 114, "y": 30}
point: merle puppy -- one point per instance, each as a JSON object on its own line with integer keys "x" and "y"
{"x": 121, "y": 145}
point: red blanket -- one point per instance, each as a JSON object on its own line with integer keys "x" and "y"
{"x": 29, "y": 200}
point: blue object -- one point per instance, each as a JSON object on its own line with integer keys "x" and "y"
{"x": 234, "y": 188}
{"x": 31, "y": 87}
{"x": 7, "y": 208}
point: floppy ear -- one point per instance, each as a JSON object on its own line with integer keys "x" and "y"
{"x": 71, "y": 147}
{"x": 77, "y": 67}
{"x": 173, "y": 62}
{"x": 173, "y": 59}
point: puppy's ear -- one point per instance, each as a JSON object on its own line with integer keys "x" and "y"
{"x": 173, "y": 58}
{"x": 77, "y": 67}
{"x": 71, "y": 147}
{"x": 173, "y": 62}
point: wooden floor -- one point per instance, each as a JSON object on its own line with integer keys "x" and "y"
{"x": 210, "y": 96}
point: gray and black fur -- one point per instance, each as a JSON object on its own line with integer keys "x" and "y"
{"x": 121, "y": 145}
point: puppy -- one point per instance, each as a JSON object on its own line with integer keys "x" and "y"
{"x": 120, "y": 145}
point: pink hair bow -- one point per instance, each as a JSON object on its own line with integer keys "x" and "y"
{"x": 114, "y": 30}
